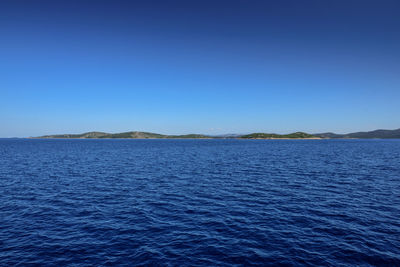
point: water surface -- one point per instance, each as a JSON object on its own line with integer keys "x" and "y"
{"x": 199, "y": 202}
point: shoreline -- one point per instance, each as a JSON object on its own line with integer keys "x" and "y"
{"x": 274, "y": 138}
{"x": 313, "y": 138}
{"x": 316, "y": 138}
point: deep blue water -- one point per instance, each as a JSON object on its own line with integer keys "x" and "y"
{"x": 199, "y": 202}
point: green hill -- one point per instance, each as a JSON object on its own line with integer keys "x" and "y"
{"x": 380, "y": 134}
{"x": 147, "y": 135}
{"x": 297, "y": 135}
{"x": 130, "y": 135}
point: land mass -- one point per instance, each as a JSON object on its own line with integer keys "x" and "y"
{"x": 130, "y": 135}
{"x": 377, "y": 134}
{"x": 297, "y": 135}
{"x": 147, "y": 135}
{"x": 382, "y": 134}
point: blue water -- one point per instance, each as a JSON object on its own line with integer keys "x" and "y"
{"x": 199, "y": 202}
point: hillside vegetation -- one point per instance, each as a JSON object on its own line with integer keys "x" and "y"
{"x": 296, "y": 135}
{"x": 379, "y": 134}
{"x": 132, "y": 135}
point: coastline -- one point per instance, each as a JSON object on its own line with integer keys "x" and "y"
{"x": 274, "y": 138}
{"x": 216, "y": 138}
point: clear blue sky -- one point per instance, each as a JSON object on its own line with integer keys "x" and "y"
{"x": 210, "y": 67}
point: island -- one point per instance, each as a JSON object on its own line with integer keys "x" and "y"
{"x": 296, "y": 135}
{"x": 125, "y": 135}
{"x": 148, "y": 135}
{"x": 376, "y": 134}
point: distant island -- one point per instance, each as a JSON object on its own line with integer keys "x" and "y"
{"x": 129, "y": 135}
{"x": 378, "y": 134}
{"x": 147, "y": 135}
{"x": 297, "y": 135}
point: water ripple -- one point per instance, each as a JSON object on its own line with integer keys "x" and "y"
{"x": 199, "y": 202}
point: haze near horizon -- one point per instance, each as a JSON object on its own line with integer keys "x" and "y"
{"x": 208, "y": 67}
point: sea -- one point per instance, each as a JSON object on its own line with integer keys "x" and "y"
{"x": 208, "y": 202}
